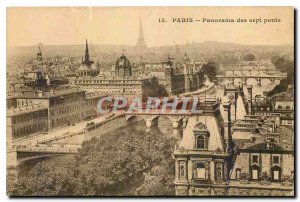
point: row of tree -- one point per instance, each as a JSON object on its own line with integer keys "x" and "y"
{"x": 287, "y": 66}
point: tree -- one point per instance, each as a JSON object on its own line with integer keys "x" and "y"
{"x": 115, "y": 164}
{"x": 17, "y": 187}
{"x": 286, "y": 66}
{"x": 249, "y": 57}
{"x": 154, "y": 89}
{"x": 210, "y": 70}
{"x": 159, "y": 181}
{"x": 226, "y": 60}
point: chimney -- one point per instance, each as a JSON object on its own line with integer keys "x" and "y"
{"x": 241, "y": 88}
{"x": 228, "y": 135}
{"x": 268, "y": 143}
{"x": 51, "y": 92}
{"x": 12, "y": 87}
{"x": 40, "y": 93}
{"x": 47, "y": 80}
{"x": 249, "y": 89}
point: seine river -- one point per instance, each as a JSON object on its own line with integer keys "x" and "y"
{"x": 164, "y": 128}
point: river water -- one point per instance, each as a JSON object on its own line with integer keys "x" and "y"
{"x": 164, "y": 127}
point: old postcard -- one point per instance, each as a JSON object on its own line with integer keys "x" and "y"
{"x": 150, "y": 101}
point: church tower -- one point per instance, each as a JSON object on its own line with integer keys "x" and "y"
{"x": 187, "y": 73}
{"x": 87, "y": 67}
{"x": 141, "y": 42}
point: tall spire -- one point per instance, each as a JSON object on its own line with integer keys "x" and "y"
{"x": 141, "y": 35}
{"x": 141, "y": 42}
{"x": 86, "y": 56}
{"x": 39, "y": 53}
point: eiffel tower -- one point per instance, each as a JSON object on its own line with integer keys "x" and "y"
{"x": 141, "y": 42}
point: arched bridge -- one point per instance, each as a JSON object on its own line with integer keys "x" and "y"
{"x": 151, "y": 118}
{"x": 177, "y": 117}
{"x": 258, "y": 77}
{"x": 20, "y": 155}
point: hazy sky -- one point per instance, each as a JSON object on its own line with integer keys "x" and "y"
{"x": 116, "y": 25}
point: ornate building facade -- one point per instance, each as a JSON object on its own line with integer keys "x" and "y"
{"x": 264, "y": 167}
{"x": 202, "y": 163}
{"x": 284, "y": 105}
{"x": 120, "y": 82}
{"x": 182, "y": 78}
{"x": 219, "y": 156}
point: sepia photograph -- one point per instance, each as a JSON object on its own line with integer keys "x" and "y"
{"x": 150, "y": 101}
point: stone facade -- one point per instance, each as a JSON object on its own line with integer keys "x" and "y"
{"x": 182, "y": 78}
{"x": 23, "y": 121}
{"x": 201, "y": 165}
{"x": 58, "y": 107}
{"x": 121, "y": 82}
{"x": 209, "y": 163}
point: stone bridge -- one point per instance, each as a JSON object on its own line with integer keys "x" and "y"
{"x": 19, "y": 155}
{"x": 177, "y": 117}
{"x": 245, "y": 77}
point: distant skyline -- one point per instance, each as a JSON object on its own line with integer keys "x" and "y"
{"x": 120, "y": 25}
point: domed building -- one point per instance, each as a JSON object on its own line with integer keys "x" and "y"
{"x": 123, "y": 67}
{"x": 119, "y": 82}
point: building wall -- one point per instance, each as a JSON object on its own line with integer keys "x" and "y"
{"x": 287, "y": 122}
{"x": 228, "y": 190}
{"x": 20, "y": 125}
{"x": 282, "y": 105}
{"x": 241, "y": 162}
{"x": 91, "y": 106}
{"x": 288, "y": 164}
{"x": 128, "y": 88}
{"x": 11, "y": 103}
{"x": 181, "y": 83}
{"x": 246, "y": 191}
{"x": 66, "y": 109}
{"x": 265, "y": 162}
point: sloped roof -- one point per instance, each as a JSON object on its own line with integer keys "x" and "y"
{"x": 264, "y": 146}
{"x": 215, "y": 140}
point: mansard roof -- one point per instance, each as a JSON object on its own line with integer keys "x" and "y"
{"x": 209, "y": 123}
{"x": 264, "y": 147}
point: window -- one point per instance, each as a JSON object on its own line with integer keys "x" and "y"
{"x": 238, "y": 173}
{"x": 200, "y": 142}
{"x": 219, "y": 174}
{"x": 182, "y": 169}
{"x": 276, "y": 173}
{"x": 279, "y": 107}
{"x": 254, "y": 159}
{"x": 254, "y": 172}
{"x": 292, "y": 175}
{"x": 276, "y": 159}
{"x": 271, "y": 139}
{"x": 200, "y": 171}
